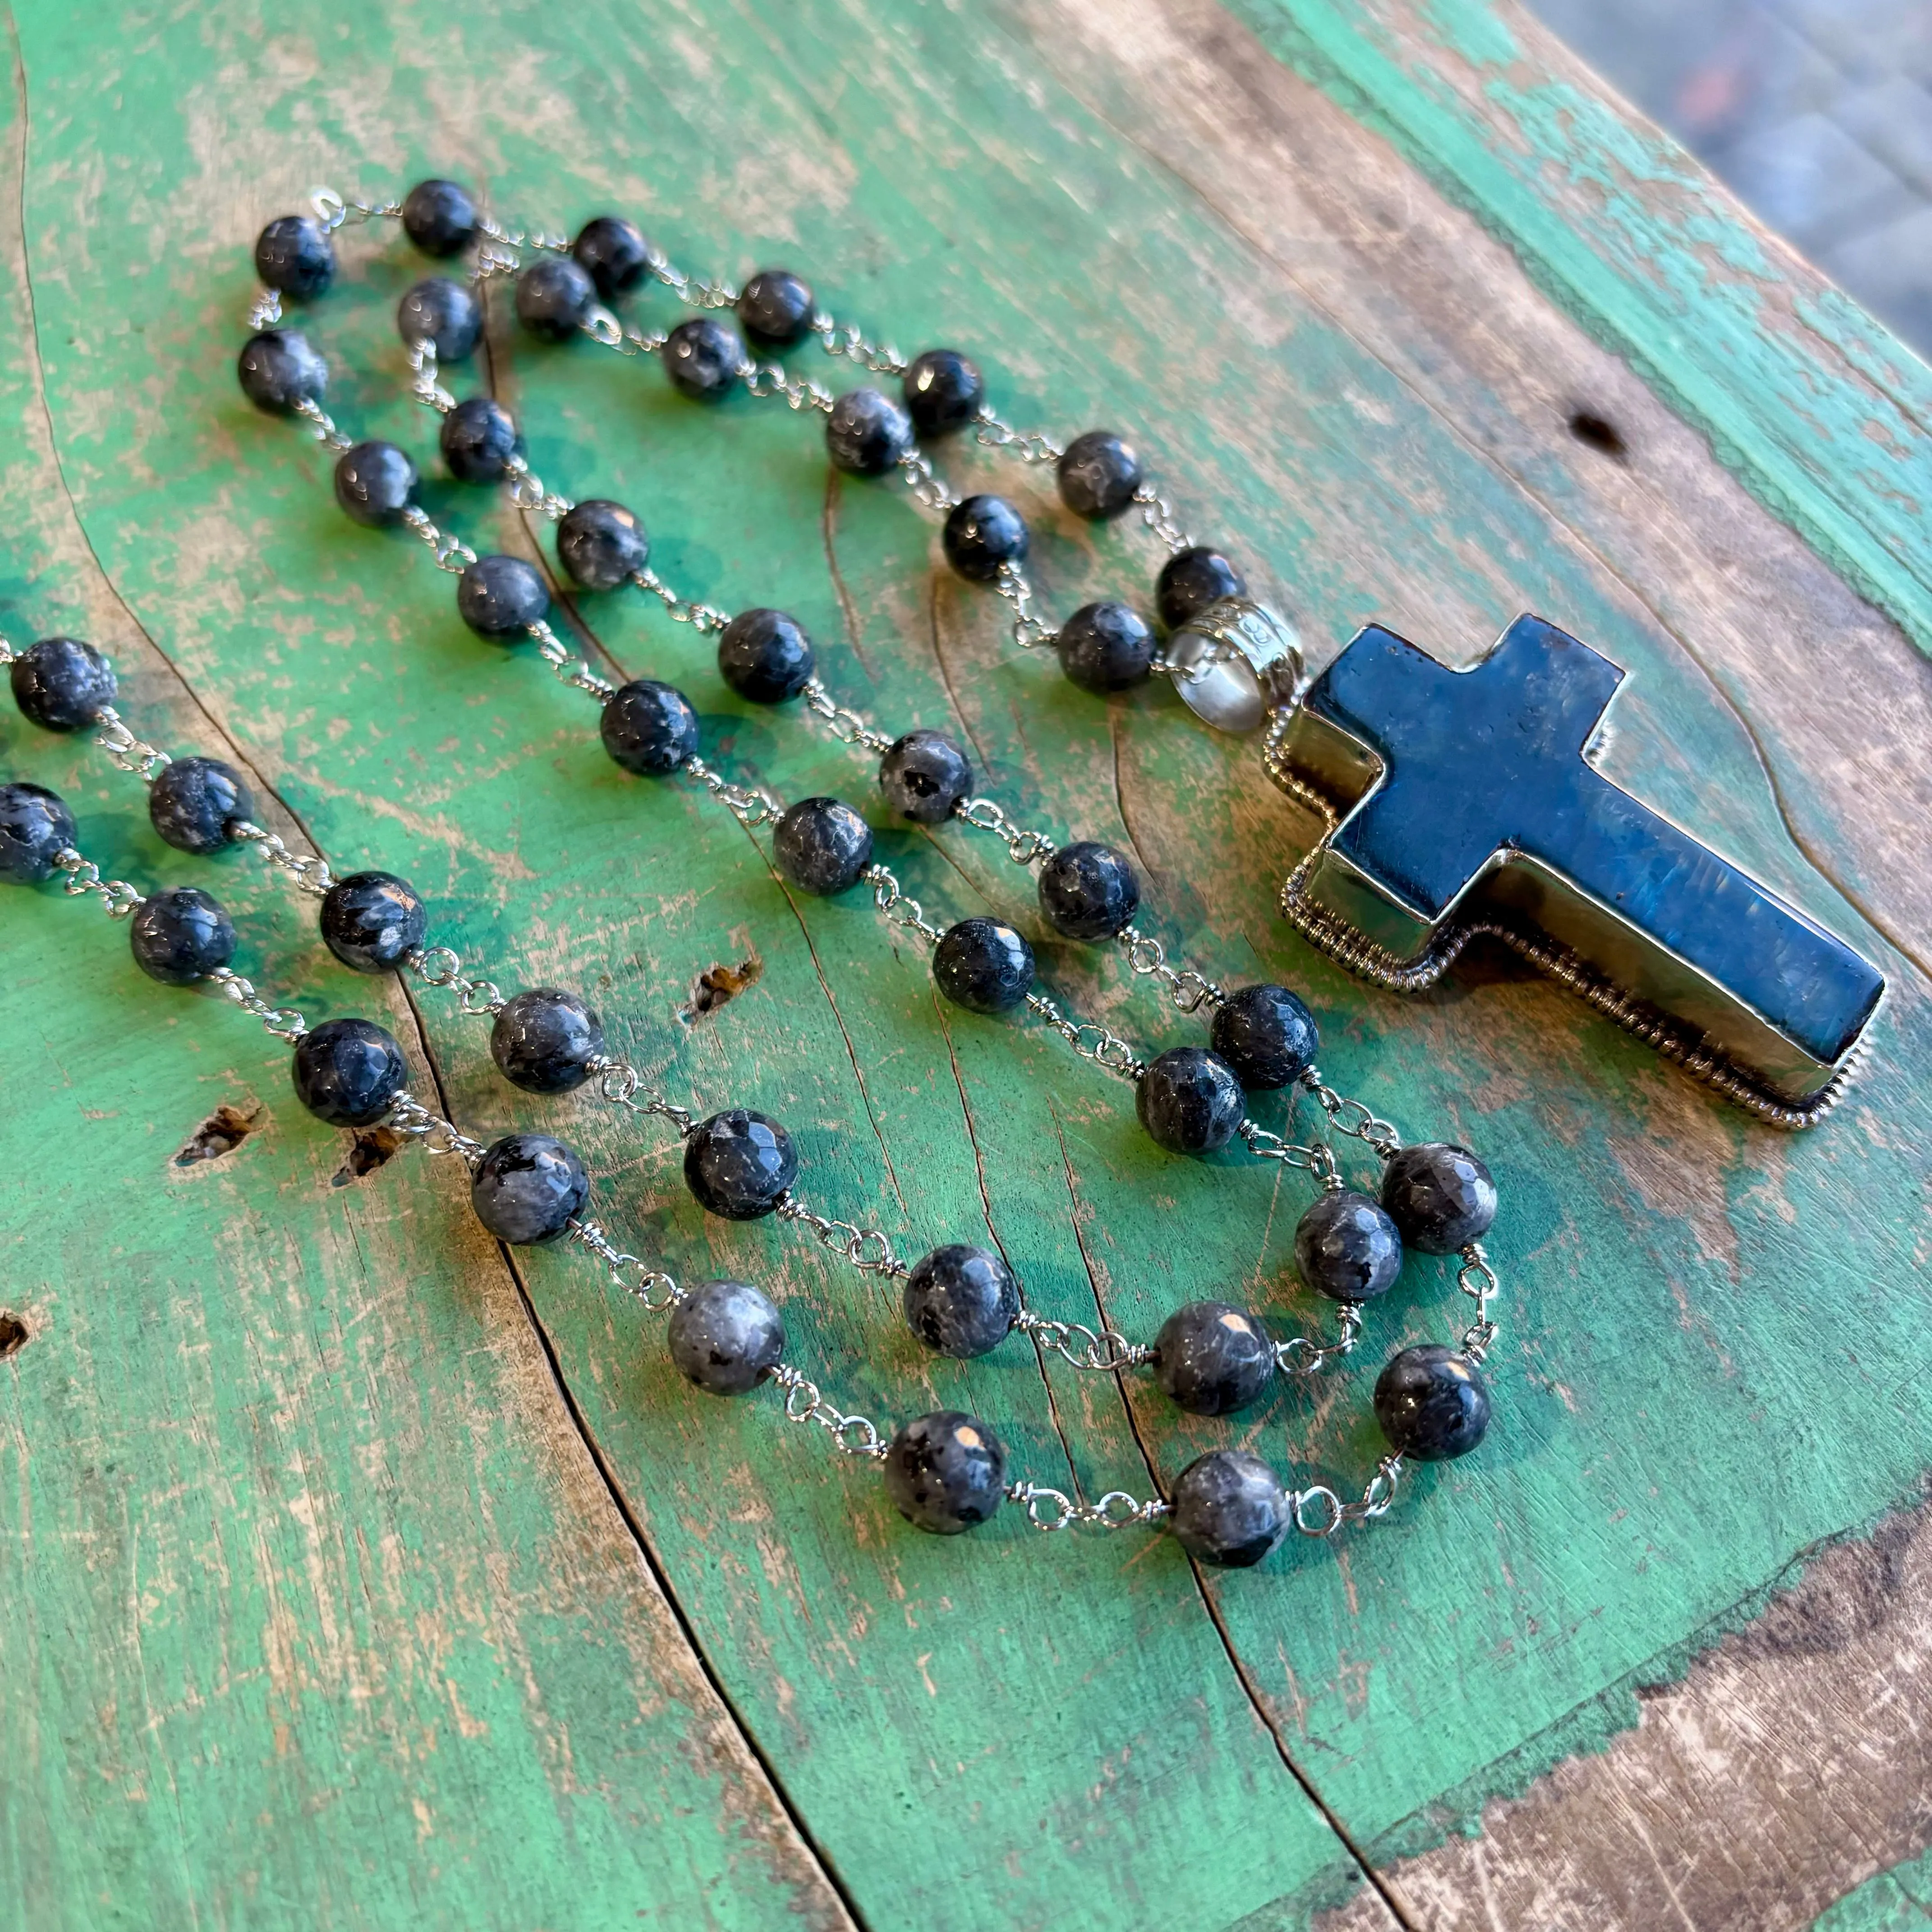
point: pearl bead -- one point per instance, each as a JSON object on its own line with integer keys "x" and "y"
{"x": 1189, "y": 1101}
{"x": 601, "y": 544}
{"x": 943, "y": 391}
{"x": 1229, "y": 1509}
{"x": 1098, "y": 474}
{"x": 60, "y": 684}
{"x": 293, "y": 255}
{"x": 613, "y": 253}
{"x": 1266, "y": 1035}
{"x": 443, "y": 313}
{"x": 1088, "y": 891}
{"x": 649, "y": 727}
{"x": 738, "y": 1164}
{"x": 501, "y": 597}
{"x": 774, "y": 308}
{"x": 821, "y": 845}
{"x": 961, "y": 1301}
{"x": 1190, "y": 580}
{"x": 372, "y": 921}
{"x": 1211, "y": 1358}
{"x": 1346, "y": 1248}
{"x": 528, "y": 1188}
{"x": 703, "y": 359}
{"x": 981, "y": 536}
{"x": 181, "y": 935}
{"x": 765, "y": 655}
{"x": 924, "y": 775}
{"x": 553, "y": 298}
{"x": 1441, "y": 1197}
{"x": 1432, "y": 1403}
{"x": 478, "y": 438}
{"x": 866, "y": 434}
{"x": 983, "y": 965}
{"x": 375, "y": 483}
{"x": 348, "y": 1072}
{"x": 34, "y": 826}
{"x": 946, "y": 1472}
{"x": 194, "y": 803}
{"x": 544, "y": 1040}
{"x": 1104, "y": 647}
{"x": 725, "y": 1337}
{"x": 439, "y": 217}
{"x": 278, "y": 370}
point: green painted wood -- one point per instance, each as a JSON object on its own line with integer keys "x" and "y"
{"x": 1709, "y": 1360}
{"x": 1898, "y": 1900}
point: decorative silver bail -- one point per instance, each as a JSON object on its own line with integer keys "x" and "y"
{"x": 1234, "y": 662}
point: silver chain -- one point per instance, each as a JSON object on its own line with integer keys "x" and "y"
{"x": 1309, "y": 1355}
{"x": 897, "y": 907}
{"x": 843, "y": 339}
{"x": 1317, "y": 1158}
{"x": 747, "y": 804}
{"x": 868, "y": 1250}
{"x": 851, "y": 1434}
{"x": 1189, "y": 990}
{"x": 621, "y": 1085}
{"x": 527, "y": 492}
{"x": 1477, "y": 1280}
{"x": 427, "y": 389}
{"x": 1090, "y": 1040}
{"x": 118, "y": 899}
{"x": 439, "y": 966}
{"x": 1029, "y": 633}
{"x": 1100, "y": 1350}
{"x": 847, "y": 727}
{"x": 701, "y": 617}
{"x": 451, "y": 553}
{"x": 1337, "y": 1514}
{"x": 311, "y": 875}
{"x": 570, "y": 669}
{"x": 131, "y": 753}
{"x": 284, "y": 1022}
{"x": 986, "y": 814}
{"x": 768, "y": 379}
{"x": 407, "y": 1116}
{"x": 992, "y": 434}
{"x": 927, "y": 487}
{"x": 1050, "y": 1509}
{"x": 319, "y": 420}
{"x": 651, "y": 1286}
{"x": 1157, "y": 514}
{"x": 1350, "y": 1116}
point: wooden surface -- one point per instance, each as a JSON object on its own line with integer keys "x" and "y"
{"x": 357, "y": 1574}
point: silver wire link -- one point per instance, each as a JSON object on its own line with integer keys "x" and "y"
{"x": 1309, "y": 1354}
{"x": 926, "y": 485}
{"x": 334, "y": 212}
{"x": 1317, "y": 1158}
{"x": 768, "y": 378}
{"x": 427, "y": 389}
{"x": 898, "y": 908}
{"x": 284, "y": 1022}
{"x": 621, "y": 1085}
{"x": 1477, "y": 1280}
{"x": 1337, "y": 1514}
{"x": 986, "y": 814}
{"x": 117, "y": 897}
{"x": 701, "y": 617}
{"x": 265, "y": 310}
{"x": 1350, "y": 1117}
{"x": 992, "y": 434}
{"x": 570, "y": 669}
{"x": 1099, "y": 1351}
{"x": 1189, "y": 990}
{"x": 1090, "y": 1040}
{"x": 868, "y": 1250}
{"x": 745, "y": 803}
{"x": 527, "y": 492}
{"x": 1157, "y": 514}
{"x": 319, "y": 420}
{"x": 439, "y": 966}
{"x": 311, "y": 875}
{"x": 451, "y": 553}
{"x": 1029, "y": 633}
{"x": 689, "y": 289}
{"x": 517, "y": 238}
{"x": 852, "y": 1434}
{"x": 651, "y": 1286}
{"x": 408, "y": 1116}
{"x": 126, "y": 750}
{"x": 847, "y": 727}
{"x": 1051, "y": 1509}
{"x": 838, "y": 338}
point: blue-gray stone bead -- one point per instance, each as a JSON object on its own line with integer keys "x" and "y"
{"x": 1191, "y": 580}
{"x": 554, "y": 296}
{"x": 1189, "y": 1101}
{"x": 943, "y": 391}
{"x": 193, "y": 803}
{"x": 1441, "y": 1196}
{"x": 1346, "y": 1248}
{"x": 1105, "y": 647}
{"x": 738, "y": 1164}
{"x": 1432, "y": 1403}
{"x": 478, "y": 439}
{"x": 765, "y": 655}
{"x": 278, "y": 369}
{"x": 439, "y": 217}
{"x": 181, "y": 935}
{"x": 703, "y": 359}
{"x": 866, "y": 434}
{"x": 614, "y": 254}
{"x": 60, "y": 684}
{"x": 821, "y": 845}
{"x": 1089, "y": 891}
{"x": 348, "y": 1072}
{"x": 544, "y": 1040}
{"x": 375, "y": 483}
{"x": 649, "y": 727}
{"x": 34, "y": 825}
{"x": 443, "y": 313}
{"x": 1211, "y": 1358}
{"x": 961, "y": 1301}
{"x": 924, "y": 775}
{"x": 725, "y": 1337}
{"x": 946, "y": 1472}
{"x": 501, "y": 597}
{"x": 981, "y": 536}
{"x": 372, "y": 921}
{"x": 774, "y": 308}
{"x": 601, "y": 544}
{"x": 1229, "y": 1509}
{"x": 527, "y": 1188}
{"x": 293, "y": 255}
{"x": 1266, "y": 1035}
{"x": 1098, "y": 474}
{"x": 983, "y": 965}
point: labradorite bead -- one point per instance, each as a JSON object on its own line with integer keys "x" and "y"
{"x": 1105, "y": 647}
{"x": 1266, "y": 1035}
{"x": 181, "y": 935}
{"x": 1432, "y": 1403}
{"x": 500, "y": 597}
{"x": 866, "y": 434}
{"x": 738, "y": 1164}
{"x": 193, "y": 802}
{"x": 372, "y": 921}
{"x": 1088, "y": 891}
{"x": 983, "y": 965}
{"x": 278, "y": 369}
{"x": 821, "y": 845}
{"x": 1098, "y": 474}
{"x": 649, "y": 727}
{"x": 981, "y": 536}
{"x": 60, "y": 684}
{"x": 1191, "y": 580}
{"x": 1228, "y": 1508}
{"x": 375, "y": 483}
{"x": 293, "y": 254}
{"x": 613, "y": 253}
{"x": 34, "y": 825}
{"x": 439, "y": 217}
{"x": 961, "y": 1301}
{"x": 1211, "y": 1358}
{"x": 443, "y": 313}
{"x": 1441, "y": 1196}
{"x": 544, "y": 1040}
{"x": 527, "y": 1188}
{"x": 601, "y": 544}
{"x": 726, "y": 1337}
{"x": 703, "y": 359}
{"x": 554, "y": 295}
{"x": 774, "y": 308}
{"x": 478, "y": 438}
{"x": 348, "y": 1071}
{"x": 946, "y": 1472}
{"x": 1189, "y": 1101}
{"x": 1346, "y": 1248}
{"x": 924, "y": 775}
{"x": 765, "y": 655}
{"x": 943, "y": 391}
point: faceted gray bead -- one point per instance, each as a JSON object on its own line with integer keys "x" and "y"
{"x": 34, "y": 826}
{"x": 961, "y": 1301}
{"x": 1346, "y": 1247}
{"x": 774, "y": 308}
{"x": 738, "y": 1164}
{"x": 1105, "y": 647}
{"x": 1266, "y": 1035}
{"x": 726, "y": 1337}
{"x": 1098, "y": 474}
{"x": 600, "y": 543}
{"x": 765, "y": 655}
{"x": 554, "y": 296}
{"x": 544, "y": 1040}
{"x": 1189, "y": 1101}
{"x": 278, "y": 369}
{"x": 821, "y": 845}
{"x": 443, "y": 313}
{"x": 180, "y": 935}
{"x": 866, "y": 434}
{"x": 924, "y": 775}
{"x": 1089, "y": 891}
{"x": 1432, "y": 1403}
{"x": 703, "y": 359}
{"x": 527, "y": 1188}
{"x": 348, "y": 1071}
{"x": 501, "y": 597}
{"x": 946, "y": 1472}
{"x": 1229, "y": 1509}
{"x": 615, "y": 253}
{"x": 478, "y": 439}
{"x": 1441, "y": 1196}
{"x": 982, "y": 534}
{"x": 649, "y": 727}
{"x": 439, "y": 217}
{"x": 983, "y": 965}
{"x": 1211, "y": 1358}
{"x": 375, "y": 483}
{"x": 193, "y": 802}
{"x": 293, "y": 254}
{"x": 1191, "y": 580}
{"x": 944, "y": 391}
{"x": 372, "y": 921}
{"x": 60, "y": 684}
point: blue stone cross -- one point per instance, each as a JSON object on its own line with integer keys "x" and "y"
{"x": 1469, "y": 795}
